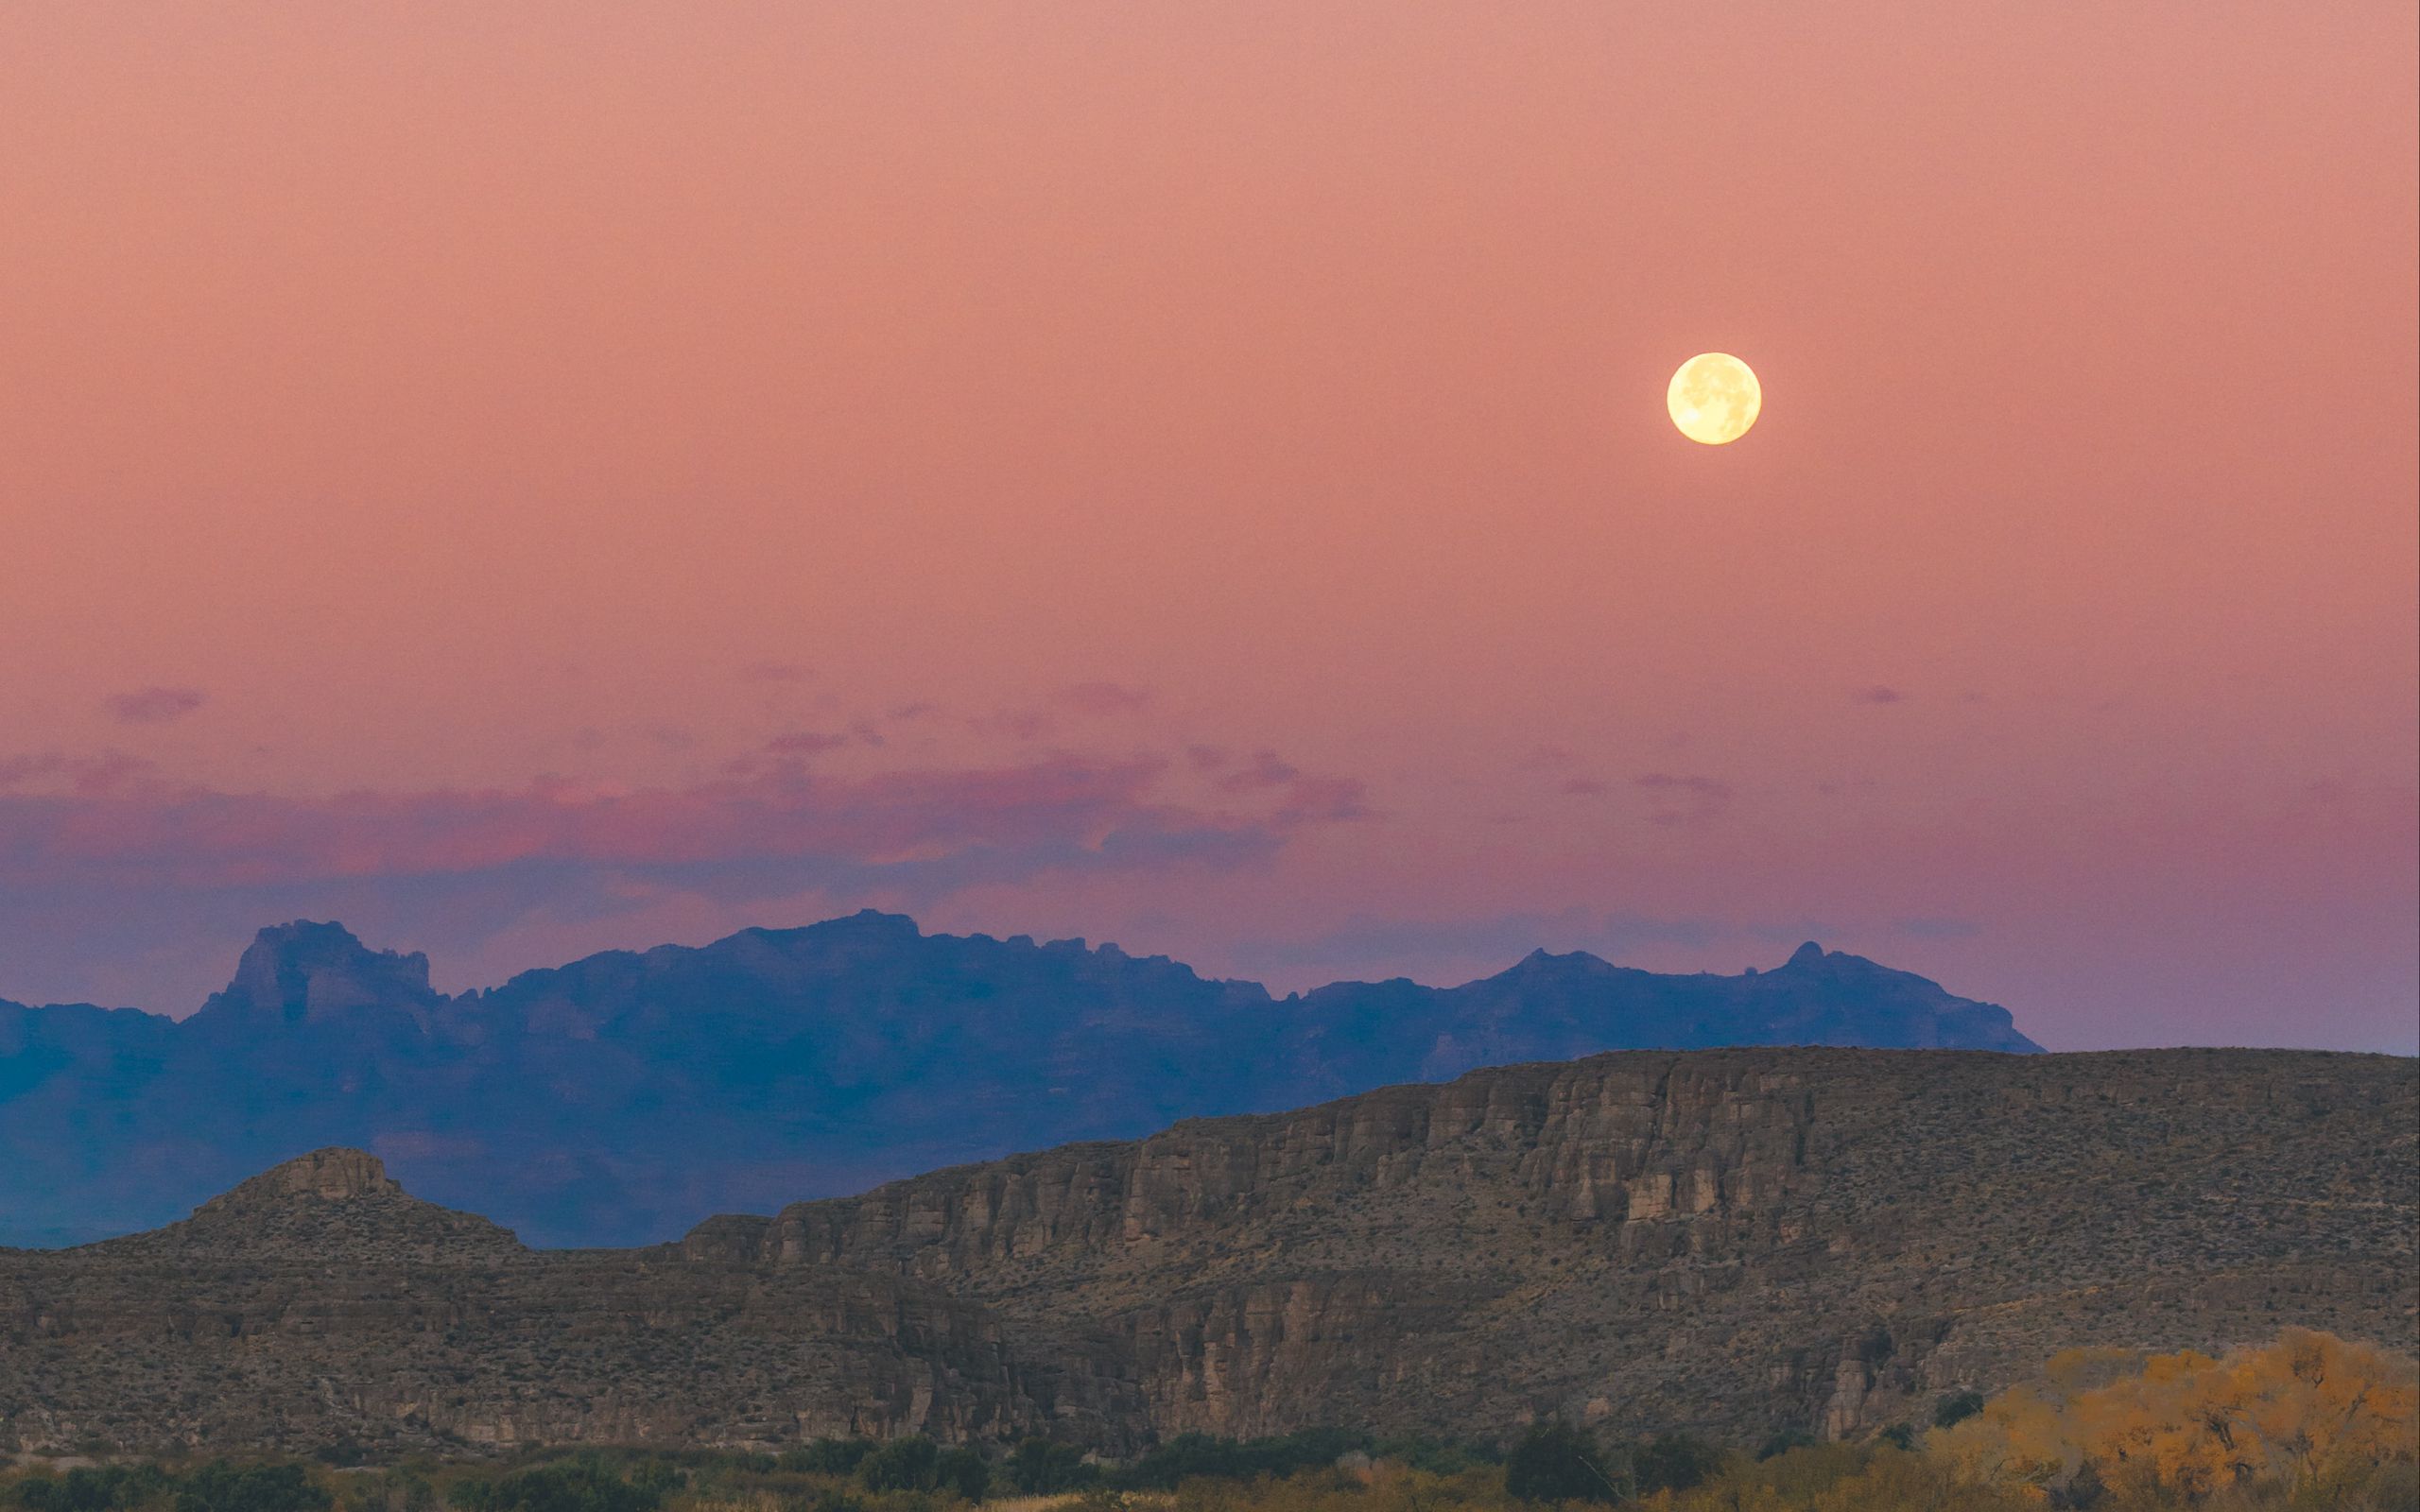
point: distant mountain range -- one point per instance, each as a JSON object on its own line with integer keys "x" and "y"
{"x": 621, "y": 1098}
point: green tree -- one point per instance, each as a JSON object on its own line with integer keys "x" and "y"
{"x": 1675, "y": 1462}
{"x": 827, "y": 1456}
{"x": 584, "y": 1483}
{"x": 92, "y": 1489}
{"x": 220, "y": 1487}
{"x": 964, "y": 1472}
{"x": 1956, "y": 1408}
{"x": 911, "y": 1464}
{"x": 1038, "y": 1467}
{"x": 1783, "y": 1442}
{"x": 1557, "y": 1462}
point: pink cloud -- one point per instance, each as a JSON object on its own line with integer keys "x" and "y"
{"x": 149, "y": 834}
{"x": 1104, "y": 698}
{"x": 1016, "y": 724}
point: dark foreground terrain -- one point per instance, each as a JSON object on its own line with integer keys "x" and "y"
{"x": 1742, "y": 1241}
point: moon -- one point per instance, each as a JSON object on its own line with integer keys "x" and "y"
{"x": 1714, "y": 398}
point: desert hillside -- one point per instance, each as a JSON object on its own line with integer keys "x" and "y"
{"x": 1740, "y": 1241}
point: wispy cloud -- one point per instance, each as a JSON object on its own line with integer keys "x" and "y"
{"x": 775, "y": 672}
{"x": 91, "y": 775}
{"x": 154, "y": 706}
{"x": 1877, "y": 694}
{"x": 1937, "y": 928}
{"x": 1678, "y": 799}
{"x": 1104, "y": 697}
{"x": 770, "y": 827}
{"x": 806, "y": 743}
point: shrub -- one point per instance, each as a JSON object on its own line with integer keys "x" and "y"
{"x": 1556, "y": 1462}
{"x": 1041, "y": 1468}
{"x": 909, "y": 1464}
{"x": 105, "y": 1488}
{"x": 396, "y": 1490}
{"x": 1189, "y": 1455}
{"x": 580, "y": 1485}
{"x": 1435, "y": 1456}
{"x": 1956, "y": 1408}
{"x": 2309, "y": 1416}
{"x": 220, "y": 1487}
{"x": 1783, "y": 1442}
{"x": 963, "y": 1471}
{"x": 1674, "y": 1462}
{"x": 826, "y": 1456}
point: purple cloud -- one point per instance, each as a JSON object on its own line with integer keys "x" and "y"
{"x": 1877, "y": 694}
{"x": 120, "y": 827}
{"x": 1265, "y": 771}
{"x": 1682, "y": 800}
{"x": 154, "y": 706}
{"x": 1937, "y": 928}
{"x": 775, "y": 672}
{"x": 84, "y": 774}
{"x": 1104, "y": 697}
{"x": 806, "y": 743}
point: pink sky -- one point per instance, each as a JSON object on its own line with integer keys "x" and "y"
{"x": 534, "y": 479}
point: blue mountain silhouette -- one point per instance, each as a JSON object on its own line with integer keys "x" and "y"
{"x": 623, "y": 1097}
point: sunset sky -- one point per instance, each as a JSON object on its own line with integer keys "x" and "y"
{"x": 531, "y": 479}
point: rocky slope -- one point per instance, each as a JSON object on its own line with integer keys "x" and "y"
{"x": 318, "y": 1303}
{"x": 1736, "y": 1240}
{"x": 623, "y": 1097}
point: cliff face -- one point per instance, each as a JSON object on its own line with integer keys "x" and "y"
{"x": 1740, "y": 1241}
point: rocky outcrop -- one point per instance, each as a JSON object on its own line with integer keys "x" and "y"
{"x": 319, "y": 1301}
{"x": 1736, "y": 1240}
{"x": 334, "y": 1205}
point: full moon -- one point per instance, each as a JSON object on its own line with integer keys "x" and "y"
{"x": 1714, "y": 398}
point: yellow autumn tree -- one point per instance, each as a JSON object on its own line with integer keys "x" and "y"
{"x": 2304, "y": 1411}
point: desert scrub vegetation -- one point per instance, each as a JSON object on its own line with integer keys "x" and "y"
{"x": 2310, "y": 1423}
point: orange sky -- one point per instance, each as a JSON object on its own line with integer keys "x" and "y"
{"x": 1196, "y": 477}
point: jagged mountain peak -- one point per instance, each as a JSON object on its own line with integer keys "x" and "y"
{"x": 306, "y": 971}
